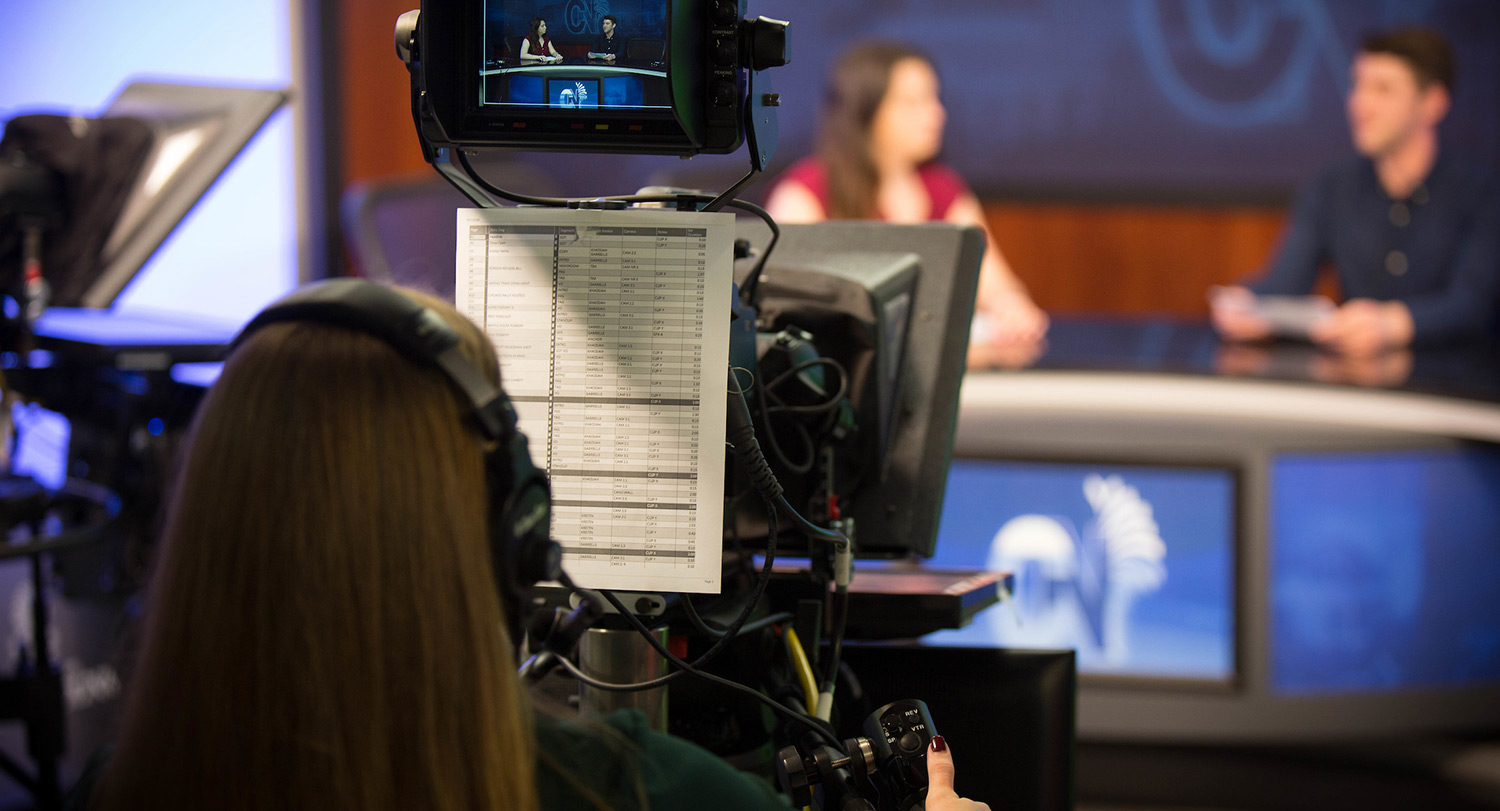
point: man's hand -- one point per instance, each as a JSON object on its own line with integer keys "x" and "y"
{"x": 1235, "y": 317}
{"x": 1365, "y": 327}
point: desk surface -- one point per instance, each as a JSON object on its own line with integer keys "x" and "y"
{"x": 132, "y": 340}
{"x": 575, "y": 66}
{"x": 1174, "y": 383}
{"x": 1178, "y": 347}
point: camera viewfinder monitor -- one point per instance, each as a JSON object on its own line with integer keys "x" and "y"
{"x": 898, "y": 499}
{"x": 665, "y": 78}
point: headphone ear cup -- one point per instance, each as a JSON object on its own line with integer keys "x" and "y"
{"x": 536, "y": 557}
{"x": 521, "y": 547}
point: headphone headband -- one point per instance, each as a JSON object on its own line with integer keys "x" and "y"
{"x": 411, "y": 329}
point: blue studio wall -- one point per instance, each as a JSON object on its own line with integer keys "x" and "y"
{"x": 1199, "y": 100}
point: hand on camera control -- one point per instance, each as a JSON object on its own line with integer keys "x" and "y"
{"x": 940, "y": 793}
{"x": 900, "y": 764}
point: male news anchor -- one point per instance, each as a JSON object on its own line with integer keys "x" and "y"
{"x": 1412, "y": 229}
{"x": 607, "y": 46}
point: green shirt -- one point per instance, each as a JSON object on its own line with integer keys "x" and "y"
{"x": 622, "y": 762}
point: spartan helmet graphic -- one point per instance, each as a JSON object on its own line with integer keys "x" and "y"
{"x": 1077, "y": 587}
{"x": 575, "y": 96}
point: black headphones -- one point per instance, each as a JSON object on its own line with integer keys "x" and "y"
{"x": 522, "y": 551}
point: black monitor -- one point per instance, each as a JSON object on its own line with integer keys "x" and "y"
{"x": 1009, "y": 715}
{"x": 898, "y": 498}
{"x": 674, "y": 83}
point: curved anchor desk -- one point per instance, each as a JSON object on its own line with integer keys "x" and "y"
{"x": 1360, "y": 529}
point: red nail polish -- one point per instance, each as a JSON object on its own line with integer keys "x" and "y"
{"x": 938, "y": 744}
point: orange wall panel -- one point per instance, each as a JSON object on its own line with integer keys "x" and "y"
{"x": 1131, "y": 259}
{"x": 374, "y": 108}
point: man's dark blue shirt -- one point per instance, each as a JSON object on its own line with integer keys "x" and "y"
{"x": 609, "y": 45}
{"x": 1437, "y": 251}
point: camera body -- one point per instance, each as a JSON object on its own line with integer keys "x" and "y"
{"x": 679, "y": 87}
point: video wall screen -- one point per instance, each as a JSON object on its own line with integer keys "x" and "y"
{"x": 1133, "y": 567}
{"x": 1384, "y": 569}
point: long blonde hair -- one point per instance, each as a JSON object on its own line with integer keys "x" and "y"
{"x": 323, "y": 630}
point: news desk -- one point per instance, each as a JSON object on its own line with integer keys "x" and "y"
{"x": 574, "y": 66}
{"x": 1242, "y": 542}
{"x": 576, "y": 82}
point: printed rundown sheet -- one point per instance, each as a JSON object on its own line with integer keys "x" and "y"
{"x": 613, "y": 334}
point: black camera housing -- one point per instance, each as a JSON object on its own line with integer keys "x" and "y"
{"x": 884, "y": 769}
{"x": 900, "y": 733}
{"x": 708, "y": 50}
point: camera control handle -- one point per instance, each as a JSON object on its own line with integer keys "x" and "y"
{"x": 900, "y": 733}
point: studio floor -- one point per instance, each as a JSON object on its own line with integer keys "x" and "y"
{"x": 1437, "y": 774}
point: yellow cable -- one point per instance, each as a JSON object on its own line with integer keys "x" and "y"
{"x": 803, "y": 668}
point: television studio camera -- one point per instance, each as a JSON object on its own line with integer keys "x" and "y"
{"x": 844, "y": 362}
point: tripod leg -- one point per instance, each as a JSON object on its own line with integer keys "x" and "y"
{"x": 45, "y": 724}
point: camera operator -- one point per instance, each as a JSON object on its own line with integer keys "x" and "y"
{"x": 324, "y": 628}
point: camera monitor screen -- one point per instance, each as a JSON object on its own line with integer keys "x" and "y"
{"x": 579, "y": 55}
{"x": 647, "y": 77}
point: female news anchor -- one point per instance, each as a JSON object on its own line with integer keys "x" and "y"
{"x": 882, "y": 129}
{"x": 323, "y": 628}
{"x": 537, "y": 46}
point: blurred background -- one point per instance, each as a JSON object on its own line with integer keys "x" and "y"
{"x": 1129, "y": 152}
